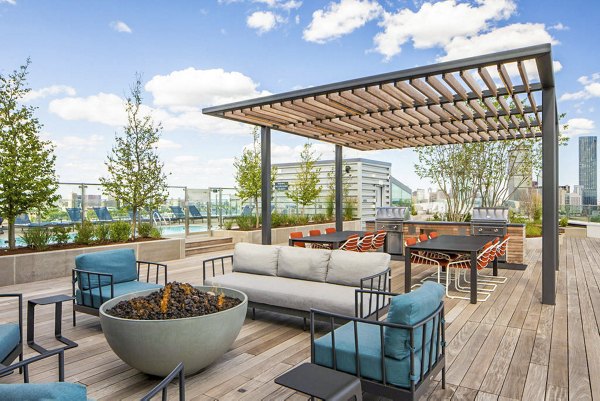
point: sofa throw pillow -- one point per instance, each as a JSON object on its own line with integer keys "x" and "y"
{"x": 303, "y": 263}
{"x": 255, "y": 259}
{"x": 347, "y": 268}
{"x": 409, "y": 309}
{"x": 121, "y": 263}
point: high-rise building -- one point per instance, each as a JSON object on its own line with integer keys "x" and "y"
{"x": 588, "y": 169}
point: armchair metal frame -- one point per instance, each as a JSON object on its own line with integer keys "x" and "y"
{"x": 24, "y": 365}
{"x": 163, "y": 385}
{"x": 18, "y": 350}
{"x": 79, "y": 275}
{"x": 418, "y": 380}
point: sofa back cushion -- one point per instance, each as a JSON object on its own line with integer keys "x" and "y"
{"x": 409, "y": 309}
{"x": 59, "y": 391}
{"x": 347, "y": 268}
{"x": 121, "y": 263}
{"x": 255, "y": 259}
{"x": 303, "y": 263}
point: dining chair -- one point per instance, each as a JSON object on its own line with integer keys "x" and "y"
{"x": 314, "y": 233}
{"x": 351, "y": 243}
{"x": 423, "y": 237}
{"x": 498, "y": 251}
{"x": 433, "y": 235}
{"x": 364, "y": 245}
{"x": 330, "y": 230}
{"x": 378, "y": 240}
{"x": 295, "y": 235}
{"x": 462, "y": 267}
{"x": 426, "y": 258}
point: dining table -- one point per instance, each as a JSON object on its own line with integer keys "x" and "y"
{"x": 453, "y": 244}
{"x": 335, "y": 239}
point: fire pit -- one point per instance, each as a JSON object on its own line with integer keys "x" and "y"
{"x": 153, "y": 331}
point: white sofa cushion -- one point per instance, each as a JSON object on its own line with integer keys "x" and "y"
{"x": 303, "y": 263}
{"x": 256, "y": 259}
{"x": 347, "y": 268}
{"x": 290, "y": 293}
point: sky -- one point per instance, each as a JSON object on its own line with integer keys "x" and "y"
{"x": 194, "y": 54}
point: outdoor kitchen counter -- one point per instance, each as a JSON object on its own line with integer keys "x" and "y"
{"x": 412, "y": 228}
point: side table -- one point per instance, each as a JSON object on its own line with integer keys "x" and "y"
{"x": 321, "y": 382}
{"x": 57, "y": 300}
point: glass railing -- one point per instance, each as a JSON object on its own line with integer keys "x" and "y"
{"x": 586, "y": 213}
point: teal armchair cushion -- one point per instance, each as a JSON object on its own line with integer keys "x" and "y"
{"x": 121, "y": 263}
{"x": 9, "y": 339}
{"x": 61, "y": 391}
{"x": 83, "y": 297}
{"x": 409, "y": 309}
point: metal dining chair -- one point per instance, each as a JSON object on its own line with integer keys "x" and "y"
{"x": 378, "y": 240}
{"x": 298, "y": 234}
{"x": 330, "y": 230}
{"x": 351, "y": 243}
{"x": 462, "y": 267}
{"x": 364, "y": 245}
{"x": 315, "y": 233}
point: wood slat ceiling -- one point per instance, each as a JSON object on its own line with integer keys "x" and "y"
{"x": 469, "y": 104}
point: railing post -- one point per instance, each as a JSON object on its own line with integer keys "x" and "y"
{"x": 265, "y": 153}
{"x": 339, "y": 190}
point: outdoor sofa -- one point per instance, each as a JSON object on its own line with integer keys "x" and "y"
{"x": 293, "y": 280}
{"x": 100, "y": 276}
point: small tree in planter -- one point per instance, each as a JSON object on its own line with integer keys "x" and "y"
{"x": 305, "y": 190}
{"x": 136, "y": 176}
{"x": 248, "y": 174}
{"x": 27, "y": 173}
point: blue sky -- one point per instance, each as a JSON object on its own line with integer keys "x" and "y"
{"x": 195, "y": 54}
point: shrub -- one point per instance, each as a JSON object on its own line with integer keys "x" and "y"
{"x": 155, "y": 233}
{"x": 245, "y": 223}
{"x": 120, "y": 231}
{"x": 533, "y": 230}
{"x": 145, "y": 230}
{"x": 61, "y": 235}
{"x": 300, "y": 220}
{"x": 279, "y": 219}
{"x": 37, "y": 238}
{"x": 564, "y": 221}
{"x": 102, "y": 233}
{"x": 85, "y": 233}
{"x": 319, "y": 218}
{"x": 228, "y": 224}
{"x": 330, "y": 206}
{"x": 349, "y": 209}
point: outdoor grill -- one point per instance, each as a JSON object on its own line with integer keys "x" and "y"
{"x": 391, "y": 219}
{"x": 490, "y": 221}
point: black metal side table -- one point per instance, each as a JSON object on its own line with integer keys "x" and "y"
{"x": 321, "y": 382}
{"x": 57, "y": 300}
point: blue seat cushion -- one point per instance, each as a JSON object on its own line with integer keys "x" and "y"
{"x": 409, "y": 309}
{"x": 369, "y": 348}
{"x": 121, "y": 263}
{"x": 60, "y": 391}
{"x": 9, "y": 338}
{"x": 120, "y": 289}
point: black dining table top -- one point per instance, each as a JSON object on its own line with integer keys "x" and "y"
{"x": 338, "y": 236}
{"x": 457, "y": 243}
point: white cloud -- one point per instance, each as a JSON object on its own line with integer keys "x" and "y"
{"x": 338, "y": 19}
{"x": 559, "y": 27}
{"x": 264, "y": 21}
{"x": 297, "y": 19}
{"x": 579, "y": 126}
{"x": 11, "y": 2}
{"x": 52, "y": 90}
{"x": 436, "y": 24}
{"x": 168, "y": 144}
{"x": 77, "y": 142}
{"x": 120, "y": 26}
{"x": 284, "y": 4}
{"x": 104, "y": 108}
{"x": 591, "y": 88}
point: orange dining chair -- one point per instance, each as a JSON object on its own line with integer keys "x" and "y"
{"x": 378, "y": 240}
{"x": 423, "y": 237}
{"x": 296, "y": 235}
{"x": 364, "y": 245}
{"x": 351, "y": 243}
{"x": 330, "y": 230}
{"x": 314, "y": 233}
{"x": 433, "y": 235}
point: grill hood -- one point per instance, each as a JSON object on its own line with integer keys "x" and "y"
{"x": 490, "y": 215}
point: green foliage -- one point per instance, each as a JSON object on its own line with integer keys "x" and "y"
{"x": 120, "y": 231}
{"x": 155, "y": 233}
{"x": 228, "y": 224}
{"x": 61, "y": 235}
{"x": 54, "y": 214}
{"x": 135, "y": 173}
{"x": 305, "y": 190}
{"x": 85, "y": 233}
{"x": 298, "y": 220}
{"x": 413, "y": 210}
{"x": 319, "y": 218}
{"x": 563, "y": 222}
{"x": 145, "y": 230}
{"x": 436, "y": 217}
{"x": 27, "y": 163}
{"x": 102, "y": 233}
{"x": 533, "y": 230}
{"x": 37, "y": 238}
{"x": 245, "y": 223}
{"x": 279, "y": 219}
{"x": 330, "y": 201}
{"x": 349, "y": 208}
{"x": 248, "y": 174}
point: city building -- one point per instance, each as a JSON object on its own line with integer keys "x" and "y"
{"x": 588, "y": 169}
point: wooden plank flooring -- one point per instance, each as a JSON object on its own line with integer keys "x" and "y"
{"x": 509, "y": 348}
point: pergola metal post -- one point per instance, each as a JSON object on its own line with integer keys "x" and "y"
{"x": 549, "y": 196}
{"x": 265, "y": 154}
{"x": 339, "y": 190}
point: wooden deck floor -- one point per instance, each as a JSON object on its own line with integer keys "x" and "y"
{"x": 508, "y": 348}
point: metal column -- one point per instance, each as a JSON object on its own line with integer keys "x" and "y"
{"x": 265, "y": 155}
{"x": 549, "y": 196}
{"x": 339, "y": 190}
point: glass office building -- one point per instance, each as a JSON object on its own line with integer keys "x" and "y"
{"x": 588, "y": 169}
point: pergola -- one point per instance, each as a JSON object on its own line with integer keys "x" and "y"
{"x": 508, "y": 95}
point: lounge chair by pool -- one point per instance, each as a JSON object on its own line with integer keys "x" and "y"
{"x": 103, "y": 214}
{"x": 195, "y": 213}
{"x": 178, "y": 213}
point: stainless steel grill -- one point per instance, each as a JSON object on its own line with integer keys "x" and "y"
{"x": 490, "y": 221}
{"x": 391, "y": 220}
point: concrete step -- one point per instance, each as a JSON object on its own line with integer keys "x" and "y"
{"x": 197, "y": 242}
{"x": 208, "y": 248}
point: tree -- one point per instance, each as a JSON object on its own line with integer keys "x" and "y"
{"x": 136, "y": 176}
{"x": 27, "y": 163}
{"x": 248, "y": 174}
{"x": 305, "y": 190}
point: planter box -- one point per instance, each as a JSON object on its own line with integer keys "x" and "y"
{"x": 281, "y": 235}
{"x": 29, "y": 267}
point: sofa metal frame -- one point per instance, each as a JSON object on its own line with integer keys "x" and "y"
{"x": 418, "y": 380}
{"x": 377, "y": 282}
{"x": 91, "y": 308}
{"x": 18, "y": 349}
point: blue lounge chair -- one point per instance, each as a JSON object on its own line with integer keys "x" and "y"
{"x": 178, "y": 213}
{"x": 23, "y": 221}
{"x": 139, "y": 218}
{"x": 74, "y": 214}
{"x": 103, "y": 214}
{"x": 247, "y": 211}
{"x": 195, "y": 213}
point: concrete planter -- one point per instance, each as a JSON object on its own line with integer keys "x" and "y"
{"x": 29, "y": 267}
{"x": 281, "y": 235}
{"x": 157, "y": 346}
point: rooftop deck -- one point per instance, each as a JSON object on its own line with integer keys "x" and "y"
{"x": 509, "y": 348}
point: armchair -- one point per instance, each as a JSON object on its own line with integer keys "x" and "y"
{"x": 11, "y": 336}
